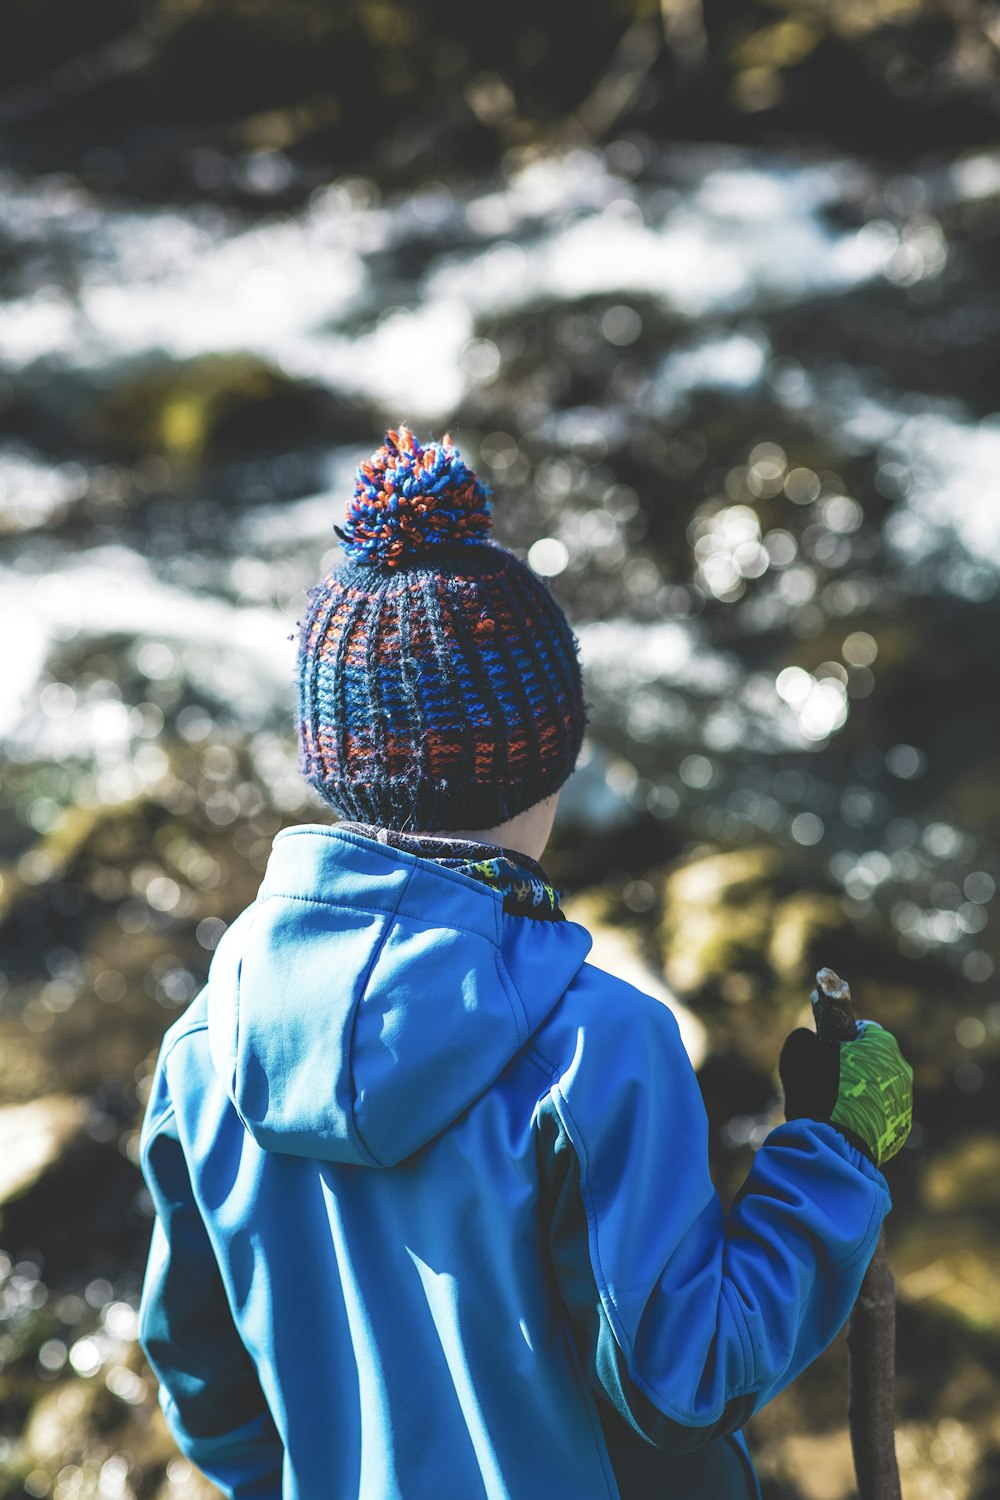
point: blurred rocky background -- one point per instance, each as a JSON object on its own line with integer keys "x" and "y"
{"x": 709, "y": 294}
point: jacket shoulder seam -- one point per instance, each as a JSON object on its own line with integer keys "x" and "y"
{"x": 376, "y": 911}
{"x": 513, "y": 997}
{"x": 376, "y": 955}
{"x": 152, "y": 1128}
{"x": 392, "y": 854}
{"x": 591, "y": 1211}
{"x": 604, "y": 1291}
{"x": 182, "y": 1036}
{"x": 746, "y": 1343}
{"x": 153, "y": 1123}
{"x": 533, "y": 1055}
{"x": 861, "y": 1248}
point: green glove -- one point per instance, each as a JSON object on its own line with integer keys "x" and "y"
{"x": 863, "y": 1087}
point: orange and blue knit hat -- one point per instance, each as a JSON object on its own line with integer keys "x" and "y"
{"x": 439, "y": 680}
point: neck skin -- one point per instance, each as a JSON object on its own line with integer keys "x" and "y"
{"x": 527, "y": 833}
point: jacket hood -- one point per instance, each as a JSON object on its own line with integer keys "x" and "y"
{"x": 369, "y": 996}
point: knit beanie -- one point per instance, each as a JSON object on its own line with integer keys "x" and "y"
{"x": 439, "y": 680}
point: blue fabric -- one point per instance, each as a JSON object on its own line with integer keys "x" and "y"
{"x": 351, "y": 1292}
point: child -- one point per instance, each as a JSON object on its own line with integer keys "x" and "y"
{"x": 434, "y": 1216}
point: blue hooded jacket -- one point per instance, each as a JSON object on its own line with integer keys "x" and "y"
{"x": 434, "y": 1216}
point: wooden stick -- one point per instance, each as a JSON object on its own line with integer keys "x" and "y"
{"x": 871, "y": 1338}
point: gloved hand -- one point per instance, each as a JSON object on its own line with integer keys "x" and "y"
{"x": 863, "y": 1087}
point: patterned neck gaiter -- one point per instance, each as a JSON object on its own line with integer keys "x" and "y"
{"x": 526, "y": 888}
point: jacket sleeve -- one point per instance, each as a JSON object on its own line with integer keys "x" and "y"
{"x": 209, "y": 1390}
{"x": 686, "y": 1318}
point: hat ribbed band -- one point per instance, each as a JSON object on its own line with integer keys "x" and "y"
{"x": 439, "y": 696}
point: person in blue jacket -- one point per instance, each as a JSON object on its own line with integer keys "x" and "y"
{"x": 433, "y": 1208}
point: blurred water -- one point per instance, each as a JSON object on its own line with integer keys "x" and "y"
{"x": 198, "y": 579}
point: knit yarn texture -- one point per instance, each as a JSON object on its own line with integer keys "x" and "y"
{"x": 439, "y": 680}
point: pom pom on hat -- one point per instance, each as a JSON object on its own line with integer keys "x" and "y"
{"x": 411, "y": 499}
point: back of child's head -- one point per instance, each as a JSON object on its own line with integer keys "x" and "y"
{"x": 439, "y": 680}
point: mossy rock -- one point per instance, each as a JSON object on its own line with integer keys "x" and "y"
{"x": 718, "y": 917}
{"x": 63, "y": 1420}
{"x": 25, "y": 1074}
{"x": 212, "y": 406}
{"x": 618, "y": 949}
{"x": 52, "y": 853}
{"x": 33, "y": 1137}
{"x": 742, "y": 941}
{"x": 950, "y": 1264}
{"x": 819, "y": 1466}
{"x": 804, "y": 924}
{"x": 965, "y": 1179}
{"x": 732, "y": 920}
{"x": 975, "y": 795}
{"x": 79, "y": 1421}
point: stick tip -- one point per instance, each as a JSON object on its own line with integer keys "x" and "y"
{"x": 830, "y": 986}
